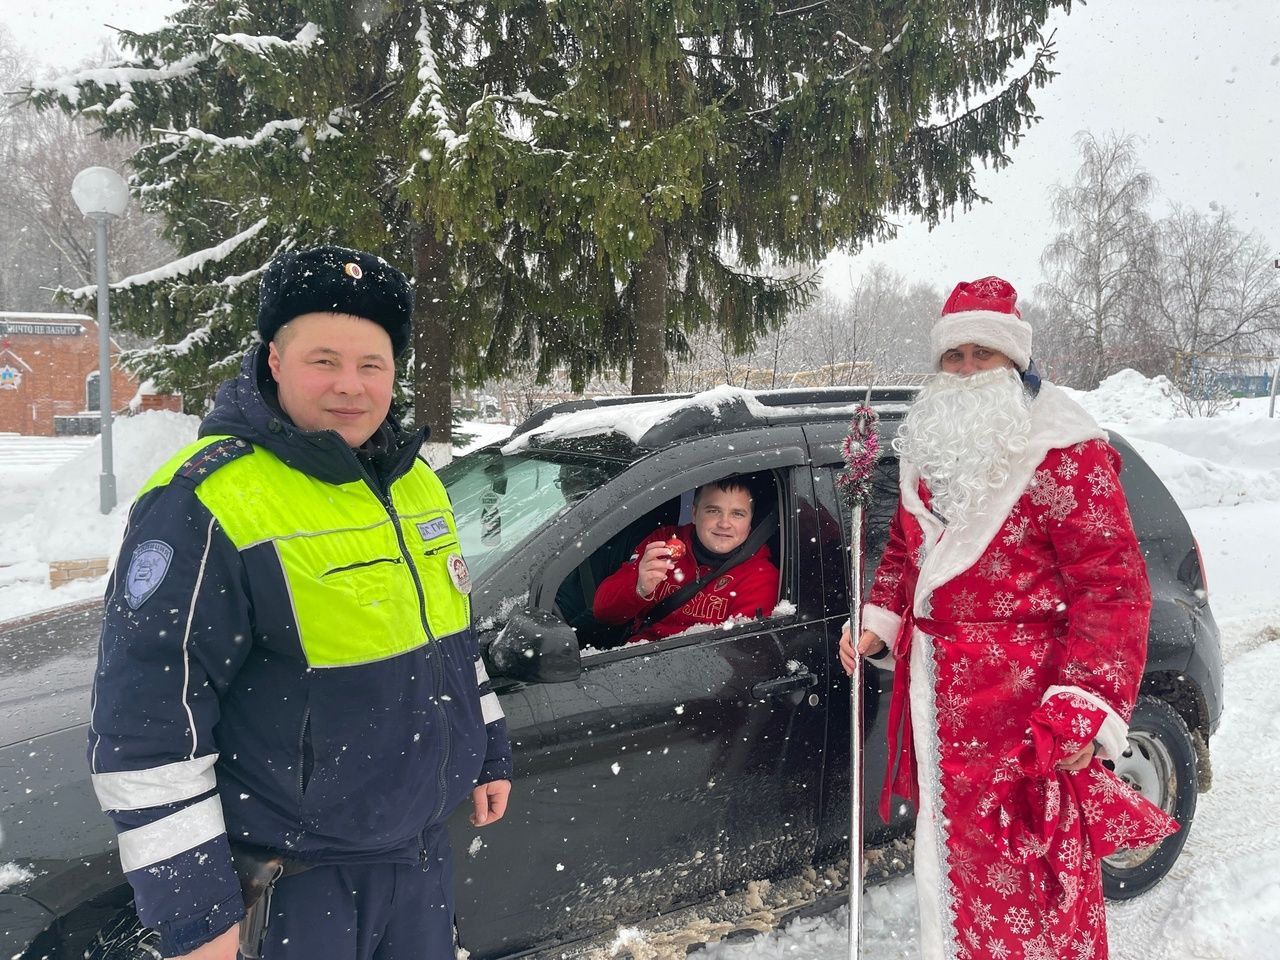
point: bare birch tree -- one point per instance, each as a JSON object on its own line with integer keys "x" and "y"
{"x": 1095, "y": 266}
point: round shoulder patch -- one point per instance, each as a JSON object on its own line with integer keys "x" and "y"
{"x": 459, "y": 573}
{"x": 147, "y": 569}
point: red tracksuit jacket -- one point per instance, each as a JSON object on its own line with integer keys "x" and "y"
{"x": 749, "y": 589}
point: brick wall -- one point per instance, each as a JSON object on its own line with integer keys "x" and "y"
{"x": 64, "y": 571}
{"x": 161, "y": 401}
{"x": 51, "y": 371}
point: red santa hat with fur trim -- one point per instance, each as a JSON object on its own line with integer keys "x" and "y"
{"x": 983, "y": 312}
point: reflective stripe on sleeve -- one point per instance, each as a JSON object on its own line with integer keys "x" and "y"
{"x": 139, "y": 789}
{"x": 175, "y": 834}
{"x": 482, "y": 675}
{"x": 490, "y": 708}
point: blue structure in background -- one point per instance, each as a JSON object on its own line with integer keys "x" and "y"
{"x": 1243, "y": 384}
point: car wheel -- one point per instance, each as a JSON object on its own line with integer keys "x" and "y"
{"x": 1161, "y": 765}
{"x": 124, "y": 938}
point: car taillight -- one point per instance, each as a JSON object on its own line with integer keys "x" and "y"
{"x": 1191, "y": 572}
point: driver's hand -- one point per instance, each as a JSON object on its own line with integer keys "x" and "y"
{"x": 655, "y": 564}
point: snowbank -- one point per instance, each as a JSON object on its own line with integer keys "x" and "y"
{"x": 1229, "y": 459}
{"x": 1128, "y": 395}
{"x": 67, "y": 524}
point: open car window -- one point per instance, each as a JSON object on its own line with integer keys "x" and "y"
{"x": 575, "y": 593}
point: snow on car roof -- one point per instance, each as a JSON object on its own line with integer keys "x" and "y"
{"x": 632, "y": 420}
{"x": 635, "y": 420}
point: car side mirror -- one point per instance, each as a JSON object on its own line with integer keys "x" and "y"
{"x": 538, "y": 647}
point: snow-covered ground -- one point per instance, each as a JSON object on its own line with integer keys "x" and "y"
{"x": 1222, "y": 900}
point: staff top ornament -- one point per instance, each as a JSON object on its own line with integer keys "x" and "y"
{"x": 861, "y": 450}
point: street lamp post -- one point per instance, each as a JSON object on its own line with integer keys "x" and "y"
{"x": 102, "y": 195}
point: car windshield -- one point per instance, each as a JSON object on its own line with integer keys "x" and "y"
{"x": 499, "y": 500}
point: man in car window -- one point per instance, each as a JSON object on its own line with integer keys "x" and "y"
{"x": 740, "y": 579}
{"x": 288, "y": 686}
{"x": 1013, "y": 599}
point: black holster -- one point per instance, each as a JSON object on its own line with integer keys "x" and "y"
{"x": 258, "y": 869}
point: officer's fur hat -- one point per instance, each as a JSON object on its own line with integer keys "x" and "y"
{"x": 338, "y": 280}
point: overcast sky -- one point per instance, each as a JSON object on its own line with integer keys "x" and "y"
{"x": 1196, "y": 81}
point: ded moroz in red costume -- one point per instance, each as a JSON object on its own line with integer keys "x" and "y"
{"x": 1021, "y": 634}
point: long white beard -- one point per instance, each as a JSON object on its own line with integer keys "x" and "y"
{"x": 962, "y": 434}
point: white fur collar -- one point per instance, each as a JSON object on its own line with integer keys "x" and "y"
{"x": 1056, "y": 421}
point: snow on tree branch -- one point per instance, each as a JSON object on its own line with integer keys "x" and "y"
{"x": 430, "y": 90}
{"x": 325, "y": 131}
{"x": 180, "y": 267}
{"x": 72, "y": 86}
{"x": 263, "y": 46}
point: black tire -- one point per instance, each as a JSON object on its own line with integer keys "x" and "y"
{"x": 1161, "y": 763}
{"x": 124, "y": 938}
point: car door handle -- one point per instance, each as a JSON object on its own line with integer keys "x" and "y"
{"x": 780, "y": 685}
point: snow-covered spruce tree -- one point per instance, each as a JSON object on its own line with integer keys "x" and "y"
{"x": 268, "y": 126}
{"x": 574, "y": 183}
{"x": 667, "y": 150}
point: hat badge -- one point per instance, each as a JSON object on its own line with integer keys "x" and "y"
{"x": 352, "y": 270}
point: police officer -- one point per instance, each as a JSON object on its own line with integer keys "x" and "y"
{"x": 288, "y": 682}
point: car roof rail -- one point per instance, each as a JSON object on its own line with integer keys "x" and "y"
{"x": 781, "y": 406}
{"x": 739, "y": 410}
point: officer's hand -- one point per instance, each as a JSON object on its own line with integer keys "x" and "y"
{"x": 654, "y": 567}
{"x": 869, "y": 644}
{"x": 489, "y": 801}
{"x": 221, "y": 947}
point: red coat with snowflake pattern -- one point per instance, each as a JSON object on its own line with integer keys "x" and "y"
{"x": 1020, "y": 637}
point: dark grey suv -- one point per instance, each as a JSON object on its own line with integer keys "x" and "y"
{"x": 648, "y": 777}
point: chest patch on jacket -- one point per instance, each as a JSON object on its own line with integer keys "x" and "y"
{"x": 433, "y": 529}
{"x": 147, "y": 569}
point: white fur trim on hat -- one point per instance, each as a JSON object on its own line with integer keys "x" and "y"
{"x": 985, "y": 328}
